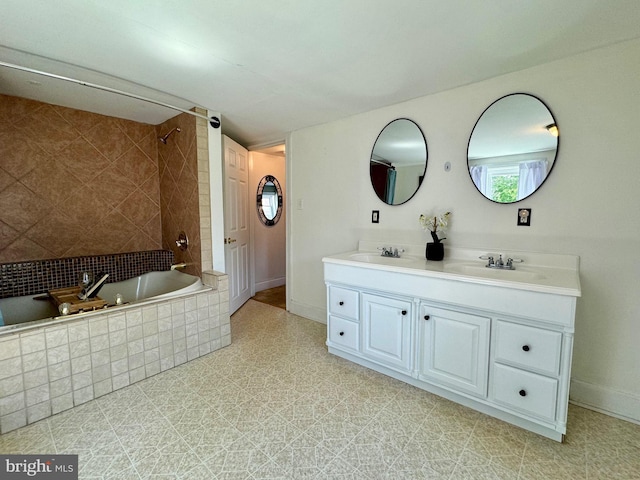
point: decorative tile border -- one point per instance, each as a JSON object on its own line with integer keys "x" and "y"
{"x": 31, "y": 278}
{"x": 47, "y": 370}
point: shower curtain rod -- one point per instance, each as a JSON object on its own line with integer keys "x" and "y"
{"x": 103, "y": 88}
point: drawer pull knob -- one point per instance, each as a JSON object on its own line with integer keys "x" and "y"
{"x": 526, "y": 348}
{"x": 341, "y": 303}
{"x": 404, "y": 312}
{"x": 341, "y": 333}
{"x": 427, "y": 317}
{"x": 523, "y": 393}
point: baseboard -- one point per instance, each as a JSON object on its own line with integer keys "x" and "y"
{"x": 307, "y": 311}
{"x": 275, "y": 282}
{"x": 623, "y": 405}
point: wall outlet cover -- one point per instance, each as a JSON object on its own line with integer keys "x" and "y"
{"x": 524, "y": 217}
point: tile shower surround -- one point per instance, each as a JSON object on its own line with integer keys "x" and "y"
{"x": 179, "y": 188}
{"x": 31, "y": 278}
{"x": 51, "y": 369}
{"x": 75, "y": 183}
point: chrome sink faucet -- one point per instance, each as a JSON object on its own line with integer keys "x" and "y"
{"x": 500, "y": 264}
{"x": 391, "y": 252}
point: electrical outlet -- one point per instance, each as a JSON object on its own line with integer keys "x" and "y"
{"x": 524, "y": 217}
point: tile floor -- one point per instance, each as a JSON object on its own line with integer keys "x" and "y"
{"x": 275, "y": 404}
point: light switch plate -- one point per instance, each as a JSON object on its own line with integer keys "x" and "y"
{"x": 375, "y": 216}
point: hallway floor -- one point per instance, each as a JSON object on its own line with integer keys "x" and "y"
{"x": 276, "y": 405}
{"x": 276, "y": 296}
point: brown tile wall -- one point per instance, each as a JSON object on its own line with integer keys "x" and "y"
{"x": 75, "y": 183}
{"x": 179, "y": 199}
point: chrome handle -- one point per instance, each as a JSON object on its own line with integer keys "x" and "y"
{"x": 511, "y": 261}
{"x": 489, "y": 259}
{"x": 182, "y": 242}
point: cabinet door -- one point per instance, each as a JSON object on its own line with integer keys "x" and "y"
{"x": 454, "y": 349}
{"x": 386, "y": 331}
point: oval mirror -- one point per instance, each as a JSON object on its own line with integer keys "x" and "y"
{"x": 512, "y": 148}
{"x": 269, "y": 200}
{"x": 398, "y": 161}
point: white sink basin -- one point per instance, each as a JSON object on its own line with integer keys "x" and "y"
{"x": 379, "y": 259}
{"x": 476, "y": 270}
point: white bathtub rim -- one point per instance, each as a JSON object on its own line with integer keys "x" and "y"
{"x": 52, "y": 321}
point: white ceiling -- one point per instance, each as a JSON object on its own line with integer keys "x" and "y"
{"x": 274, "y": 66}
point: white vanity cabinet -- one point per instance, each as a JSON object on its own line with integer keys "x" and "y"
{"x": 454, "y": 349}
{"x": 498, "y": 342}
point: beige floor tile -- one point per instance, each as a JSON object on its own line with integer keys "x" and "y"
{"x": 275, "y": 405}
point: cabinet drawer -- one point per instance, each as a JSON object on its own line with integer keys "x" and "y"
{"x": 529, "y": 347}
{"x": 344, "y": 302}
{"x": 343, "y": 332}
{"x": 525, "y": 391}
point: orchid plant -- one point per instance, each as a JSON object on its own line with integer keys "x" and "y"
{"x": 434, "y": 224}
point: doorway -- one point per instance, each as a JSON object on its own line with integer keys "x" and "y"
{"x": 268, "y": 167}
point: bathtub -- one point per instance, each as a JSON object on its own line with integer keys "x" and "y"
{"x": 150, "y": 286}
{"x": 52, "y": 363}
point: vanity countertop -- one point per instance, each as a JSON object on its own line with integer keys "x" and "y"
{"x": 544, "y": 273}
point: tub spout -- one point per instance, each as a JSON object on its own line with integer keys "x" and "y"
{"x": 178, "y": 265}
{"x": 92, "y": 291}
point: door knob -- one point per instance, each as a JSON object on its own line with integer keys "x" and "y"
{"x": 229, "y": 240}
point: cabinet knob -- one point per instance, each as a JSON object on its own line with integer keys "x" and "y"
{"x": 526, "y": 348}
{"x": 404, "y": 312}
{"x": 341, "y": 303}
{"x": 341, "y": 334}
{"x": 427, "y": 317}
{"x": 523, "y": 393}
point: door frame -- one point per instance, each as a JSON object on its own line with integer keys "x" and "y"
{"x": 287, "y": 207}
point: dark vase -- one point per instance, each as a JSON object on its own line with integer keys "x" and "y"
{"x": 435, "y": 251}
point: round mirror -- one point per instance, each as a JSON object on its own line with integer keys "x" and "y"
{"x": 269, "y": 200}
{"x": 398, "y": 161}
{"x": 512, "y": 148}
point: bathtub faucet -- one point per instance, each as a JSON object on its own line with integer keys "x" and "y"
{"x": 91, "y": 291}
{"x": 178, "y": 265}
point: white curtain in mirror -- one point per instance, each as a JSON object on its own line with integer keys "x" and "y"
{"x": 531, "y": 176}
{"x": 479, "y": 177}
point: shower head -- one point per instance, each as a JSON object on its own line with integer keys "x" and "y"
{"x": 164, "y": 138}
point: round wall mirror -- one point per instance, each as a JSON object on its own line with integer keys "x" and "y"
{"x": 398, "y": 161}
{"x": 512, "y": 148}
{"x": 269, "y": 200}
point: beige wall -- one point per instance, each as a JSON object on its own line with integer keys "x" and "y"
{"x": 586, "y": 207}
{"x": 75, "y": 183}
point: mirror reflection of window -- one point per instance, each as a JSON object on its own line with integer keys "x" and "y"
{"x": 512, "y": 148}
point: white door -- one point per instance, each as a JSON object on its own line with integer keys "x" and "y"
{"x": 387, "y": 331}
{"x": 236, "y": 222}
{"x": 454, "y": 349}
